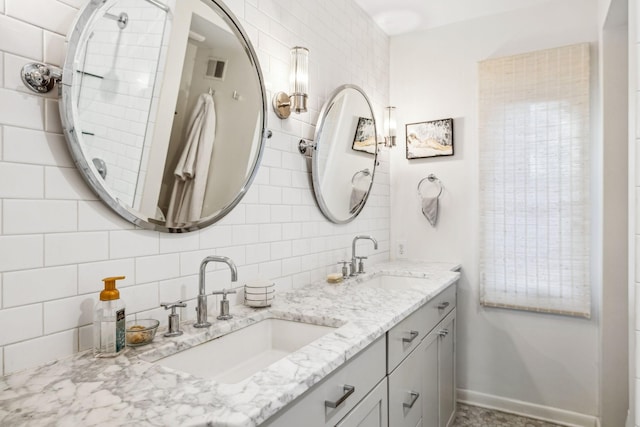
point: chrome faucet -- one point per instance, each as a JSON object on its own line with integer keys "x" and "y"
{"x": 354, "y": 271}
{"x": 201, "y": 309}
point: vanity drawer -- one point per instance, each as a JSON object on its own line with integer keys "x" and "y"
{"x": 404, "y": 337}
{"x": 405, "y": 392}
{"x": 441, "y": 305}
{"x": 312, "y": 409}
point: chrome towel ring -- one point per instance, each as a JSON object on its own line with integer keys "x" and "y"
{"x": 363, "y": 172}
{"x": 434, "y": 179}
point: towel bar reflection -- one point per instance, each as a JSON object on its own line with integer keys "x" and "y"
{"x": 434, "y": 179}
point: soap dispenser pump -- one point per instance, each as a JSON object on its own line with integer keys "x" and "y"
{"x": 109, "y": 321}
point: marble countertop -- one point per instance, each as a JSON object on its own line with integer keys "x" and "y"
{"x": 131, "y": 389}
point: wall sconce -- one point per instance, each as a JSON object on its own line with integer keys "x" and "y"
{"x": 283, "y": 103}
{"x": 390, "y": 127}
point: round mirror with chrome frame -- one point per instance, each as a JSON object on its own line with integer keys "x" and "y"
{"x": 192, "y": 143}
{"x": 345, "y": 154}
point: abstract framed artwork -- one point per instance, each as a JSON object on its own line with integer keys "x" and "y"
{"x": 364, "y": 139}
{"x": 429, "y": 139}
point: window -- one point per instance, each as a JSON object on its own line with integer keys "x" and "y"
{"x": 534, "y": 181}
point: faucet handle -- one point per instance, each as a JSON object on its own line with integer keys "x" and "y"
{"x": 345, "y": 268}
{"x": 224, "y": 304}
{"x": 224, "y": 293}
{"x": 173, "y": 305}
{"x": 361, "y": 264}
{"x": 174, "y": 318}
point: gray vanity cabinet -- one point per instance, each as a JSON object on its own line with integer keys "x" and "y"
{"x": 404, "y": 379}
{"x": 328, "y": 402}
{"x": 421, "y": 365}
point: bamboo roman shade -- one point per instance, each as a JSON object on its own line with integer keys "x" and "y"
{"x": 534, "y": 147}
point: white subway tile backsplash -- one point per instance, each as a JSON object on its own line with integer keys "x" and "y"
{"x": 21, "y": 181}
{"x": 35, "y": 147}
{"x": 158, "y": 267}
{"x": 31, "y": 286}
{"x": 281, "y": 250}
{"x": 52, "y": 116}
{"x": 216, "y": 236}
{"x": 85, "y": 337}
{"x": 140, "y": 297}
{"x": 21, "y": 252}
{"x": 258, "y": 214}
{"x": 258, "y": 253}
{"x": 90, "y": 275}
{"x": 133, "y": 243}
{"x": 281, "y": 213}
{"x": 47, "y": 14}
{"x": 270, "y": 195}
{"x": 246, "y": 234}
{"x": 27, "y": 320}
{"x": 66, "y": 183}
{"x": 270, "y": 232}
{"x": 21, "y": 109}
{"x": 256, "y": 18}
{"x": 270, "y": 270}
{"x": 20, "y": 38}
{"x": 54, "y": 49}
{"x": 179, "y": 242}
{"x": 72, "y": 248}
{"x": 68, "y": 313}
{"x": 182, "y": 289}
{"x": 280, "y": 177}
{"x": 96, "y": 216}
{"x": 39, "y": 216}
{"x": 30, "y": 353}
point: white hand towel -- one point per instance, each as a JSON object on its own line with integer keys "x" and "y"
{"x": 357, "y": 198}
{"x": 430, "y": 209}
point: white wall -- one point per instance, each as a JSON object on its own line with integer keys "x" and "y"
{"x": 503, "y": 355}
{"x": 57, "y": 241}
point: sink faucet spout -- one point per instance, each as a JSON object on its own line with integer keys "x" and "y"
{"x": 201, "y": 321}
{"x": 354, "y": 271}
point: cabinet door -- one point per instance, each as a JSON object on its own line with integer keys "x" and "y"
{"x": 430, "y": 383}
{"x": 446, "y": 369}
{"x": 405, "y": 390}
{"x": 371, "y": 411}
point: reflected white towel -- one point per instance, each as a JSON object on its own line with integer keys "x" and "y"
{"x": 430, "y": 209}
{"x": 356, "y": 199}
{"x": 192, "y": 171}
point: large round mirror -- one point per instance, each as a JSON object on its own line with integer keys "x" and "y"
{"x": 345, "y": 155}
{"x": 163, "y": 106}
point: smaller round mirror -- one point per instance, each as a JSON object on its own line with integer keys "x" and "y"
{"x": 345, "y": 155}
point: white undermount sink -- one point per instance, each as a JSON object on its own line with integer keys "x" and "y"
{"x": 242, "y": 353}
{"x": 396, "y": 282}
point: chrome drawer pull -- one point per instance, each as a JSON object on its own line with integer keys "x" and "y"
{"x": 348, "y": 391}
{"x": 443, "y": 332}
{"x": 414, "y": 335}
{"x": 443, "y": 305}
{"x": 414, "y": 397}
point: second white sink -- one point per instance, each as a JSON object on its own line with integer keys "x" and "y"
{"x": 242, "y": 353}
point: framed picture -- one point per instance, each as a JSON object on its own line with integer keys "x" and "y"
{"x": 430, "y": 139}
{"x": 365, "y": 137}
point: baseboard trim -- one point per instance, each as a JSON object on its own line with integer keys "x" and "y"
{"x": 531, "y": 410}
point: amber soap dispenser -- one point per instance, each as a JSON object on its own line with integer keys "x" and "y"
{"x": 109, "y": 321}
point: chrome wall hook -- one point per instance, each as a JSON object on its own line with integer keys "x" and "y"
{"x": 40, "y": 78}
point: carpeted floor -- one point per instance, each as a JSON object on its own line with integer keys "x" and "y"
{"x": 473, "y": 416}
